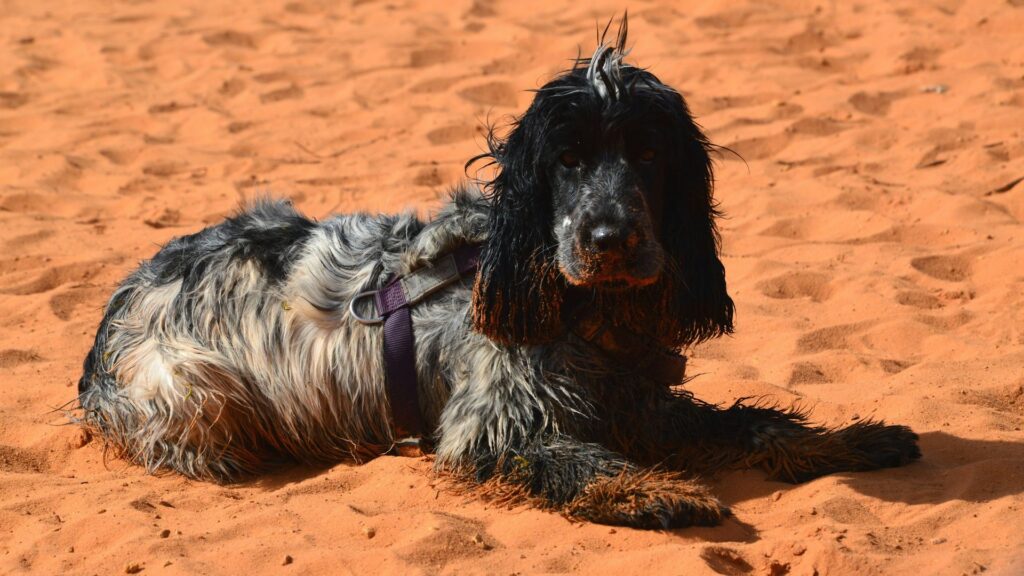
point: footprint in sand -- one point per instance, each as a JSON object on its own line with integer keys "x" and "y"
{"x": 723, "y": 560}
{"x": 55, "y": 277}
{"x": 797, "y": 285}
{"x": 302, "y": 8}
{"x": 25, "y": 202}
{"x": 14, "y": 358}
{"x": 271, "y": 77}
{"x": 292, "y": 92}
{"x": 231, "y": 38}
{"x": 481, "y": 9}
{"x": 727, "y": 20}
{"x": 951, "y": 268}
{"x": 239, "y": 126}
{"x": 165, "y": 168}
{"x": 830, "y": 338}
{"x": 813, "y": 126}
{"x": 12, "y": 100}
{"x": 452, "y": 133}
{"x": 717, "y": 103}
{"x": 761, "y": 147}
{"x": 426, "y": 57}
{"x": 444, "y": 537}
{"x": 891, "y": 366}
{"x": 120, "y": 156}
{"x": 433, "y": 85}
{"x": 491, "y": 94}
{"x": 921, "y": 300}
{"x": 65, "y": 304}
{"x": 812, "y": 39}
{"x": 168, "y": 108}
{"x": 24, "y": 241}
{"x": 1008, "y": 398}
{"x": 918, "y": 59}
{"x": 807, "y": 373}
{"x": 874, "y": 103}
{"x": 947, "y": 323}
{"x": 231, "y": 87}
{"x": 796, "y": 228}
{"x": 848, "y": 511}
{"x": 429, "y": 176}
{"x": 14, "y": 459}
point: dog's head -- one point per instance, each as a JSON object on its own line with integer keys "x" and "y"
{"x": 604, "y": 186}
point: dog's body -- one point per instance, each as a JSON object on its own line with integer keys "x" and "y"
{"x": 235, "y": 348}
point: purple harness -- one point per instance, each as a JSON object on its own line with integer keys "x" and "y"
{"x": 394, "y": 302}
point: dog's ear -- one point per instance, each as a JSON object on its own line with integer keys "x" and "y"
{"x": 517, "y": 296}
{"x": 703, "y": 305}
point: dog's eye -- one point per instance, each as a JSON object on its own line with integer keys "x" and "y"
{"x": 648, "y": 155}
{"x": 569, "y": 160}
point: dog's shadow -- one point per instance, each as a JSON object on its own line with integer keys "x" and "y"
{"x": 285, "y": 475}
{"x": 951, "y": 468}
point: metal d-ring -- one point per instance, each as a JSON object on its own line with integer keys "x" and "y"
{"x": 352, "y": 309}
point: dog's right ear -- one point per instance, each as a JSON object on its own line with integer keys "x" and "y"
{"x": 517, "y": 296}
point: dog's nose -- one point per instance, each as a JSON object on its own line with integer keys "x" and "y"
{"x": 607, "y": 238}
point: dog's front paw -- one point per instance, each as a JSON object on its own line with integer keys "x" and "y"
{"x": 651, "y": 500}
{"x": 882, "y": 445}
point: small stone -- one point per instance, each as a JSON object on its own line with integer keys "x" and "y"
{"x": 81, "y": 438}
{"x": 938, "y": 540}
{"x": 776, "y": 496}
{"x": 71, "y": 549}
{"x": 133, "y": 568}
{"x": 799, "y": 549}
{"x": 165, "y": 533}
{"x": 369, "y": 531}
{"x": 287, "y": 560}
{"x": 612, "y": 530}
{"x": 478, "y": 539}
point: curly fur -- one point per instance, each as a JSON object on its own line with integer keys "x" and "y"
{"x": 233, "y": 349}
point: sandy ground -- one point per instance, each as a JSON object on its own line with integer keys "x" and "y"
{"x": 874, "y": 245}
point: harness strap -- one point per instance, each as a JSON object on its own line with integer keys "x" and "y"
{"x": 394, "y": 302}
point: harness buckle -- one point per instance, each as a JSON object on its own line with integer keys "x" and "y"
{"x": 362, "y": 319}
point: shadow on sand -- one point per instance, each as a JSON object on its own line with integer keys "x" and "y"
{"x": 951, "y": 468}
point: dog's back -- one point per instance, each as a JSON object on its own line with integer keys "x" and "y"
{"x": 233, "y": 347}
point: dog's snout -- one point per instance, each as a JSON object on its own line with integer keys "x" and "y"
{"x": 605, "y": 237}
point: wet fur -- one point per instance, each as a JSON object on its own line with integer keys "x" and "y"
{"x": 233, "y": 350}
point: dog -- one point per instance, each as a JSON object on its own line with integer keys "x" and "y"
{"x": 551, "y": 373}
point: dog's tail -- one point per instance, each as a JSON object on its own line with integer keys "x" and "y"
{"x": 97, "y": 387}
{"x": 96, "y": 374}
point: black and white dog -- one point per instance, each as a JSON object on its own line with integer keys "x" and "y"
{"x": 550, "y": 375}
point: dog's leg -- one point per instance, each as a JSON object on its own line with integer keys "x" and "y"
{"x": 589, "y": 482}
{"x": 517, "y": 440}
{"x": 782, "y": 443}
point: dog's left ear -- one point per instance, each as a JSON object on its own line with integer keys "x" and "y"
{"x": 703, "y": 305}
{"x": 517, "y": 296}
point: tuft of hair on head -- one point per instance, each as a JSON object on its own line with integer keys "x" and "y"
{"x": 604, "y": 68}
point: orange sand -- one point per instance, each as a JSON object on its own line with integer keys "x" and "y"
{"x": 874, "y": 247}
